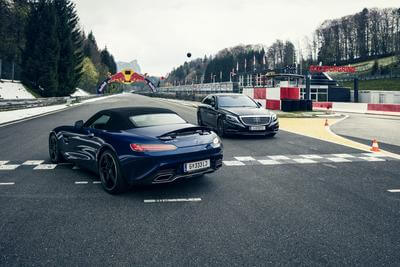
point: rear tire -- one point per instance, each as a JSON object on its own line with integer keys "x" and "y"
{"x": 199, "y": 120}
{"x": 110, "y": 173}
{"x": 54, "y": 150}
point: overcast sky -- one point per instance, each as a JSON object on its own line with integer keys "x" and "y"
{"x": 159, "y": 33}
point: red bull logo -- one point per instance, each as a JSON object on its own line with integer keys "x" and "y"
{"x": 127, "y": 76}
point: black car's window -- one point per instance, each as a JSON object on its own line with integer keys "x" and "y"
{"x": 207, "y": 101}
{"x": 236, "y": 101}
{"x": 100, "y": 123}
{"x": 156, "y": 119}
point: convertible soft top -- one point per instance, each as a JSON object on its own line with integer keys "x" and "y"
{"x": 120, "y": 116}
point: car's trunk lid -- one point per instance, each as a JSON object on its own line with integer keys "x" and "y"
{"x": 180, "y": 135}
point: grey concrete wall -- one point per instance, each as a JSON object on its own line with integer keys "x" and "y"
{"x": 378, "y": 97}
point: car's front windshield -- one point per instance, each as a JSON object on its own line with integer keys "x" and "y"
{"x": 236, "y": 101}
{"x": 156, "y": 119}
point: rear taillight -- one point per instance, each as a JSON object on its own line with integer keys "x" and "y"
{"x": 151, "y": 147}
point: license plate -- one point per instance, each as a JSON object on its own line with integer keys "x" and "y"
{"x": 197, "y": 165}
{"x": 257, "y": 128}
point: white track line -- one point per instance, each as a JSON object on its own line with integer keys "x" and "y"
{"x": 97, "y": 182}
{"x": 245, "y": 158}
{"x": 172, "y": 200}
{"x": 278, "y": 157}
{"x": 234, "y": 163}
{"x": 311, "y": 156}
{"x": 305, "y": 161}
{"x": 45, "y": 167}
{"x": 394, "y": 190}
{"x": 269, "y": 162}
{"x": 8, "y": 167}
{"x": 338, "y": 159}
{"x": 33, "y": 162}
{"x": 81, "y": 182}
{"x": 7, "y": 183}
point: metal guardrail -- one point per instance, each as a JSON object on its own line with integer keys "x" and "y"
{"x": 200, "y": 88}
{"x": 14, "y": 104}
{"x": 367, "y": 77}
{"x": 190, "y": 96}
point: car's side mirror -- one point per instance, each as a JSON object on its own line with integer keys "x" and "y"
{"x": 259, "y": 104}
{"x": 214, "y": 105}
{"x": 79, "y": 124}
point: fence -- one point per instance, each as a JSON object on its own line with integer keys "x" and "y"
{"x": 202, "y": 88}
{"x": 368, "y": 77}
{"x": 14, "y": 104}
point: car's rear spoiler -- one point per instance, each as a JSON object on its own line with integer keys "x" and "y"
{"x": 195, "y": 129}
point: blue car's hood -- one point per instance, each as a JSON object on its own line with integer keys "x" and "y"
{"x": 179, "y": 141}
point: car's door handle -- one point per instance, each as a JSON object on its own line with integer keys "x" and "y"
{"x": 91, "y": 135}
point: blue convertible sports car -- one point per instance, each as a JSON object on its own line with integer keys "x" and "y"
{"x": 138, "y": 145}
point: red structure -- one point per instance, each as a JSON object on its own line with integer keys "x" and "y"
{"x": 279, "y": 87}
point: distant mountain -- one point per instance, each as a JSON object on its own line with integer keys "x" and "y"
{"x": 129, "y": 65}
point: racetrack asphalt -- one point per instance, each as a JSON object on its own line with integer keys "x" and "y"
{"x": 289, "y": 214}
{"x": 363, "y": 128}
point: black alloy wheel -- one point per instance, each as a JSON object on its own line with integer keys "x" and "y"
{"x": 54, "y": 152}
{"x": 110, "y": 174}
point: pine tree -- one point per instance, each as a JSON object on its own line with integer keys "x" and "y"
{"x": 41, "y": 53}
{"x": 70, "y": 59}
{"x": 91, "y": 49}
{"x": 108, "y": 60}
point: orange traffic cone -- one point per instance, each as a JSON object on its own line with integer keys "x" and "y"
{"x": 375, "y": 146}
{"x": 326, "y": 122}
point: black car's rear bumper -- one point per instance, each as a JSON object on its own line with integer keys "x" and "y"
{"x": 231, "y": 128}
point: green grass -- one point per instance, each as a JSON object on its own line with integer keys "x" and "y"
{"x": 384, "y": 85}
{"x": 367, "y": 65}
{"x": 365, "y": 68}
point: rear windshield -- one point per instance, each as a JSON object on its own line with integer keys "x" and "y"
{"x": 156, "y": 119}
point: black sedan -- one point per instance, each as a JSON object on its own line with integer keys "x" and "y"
{"x": 236, "y": 114}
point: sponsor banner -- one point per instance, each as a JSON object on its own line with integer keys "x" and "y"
{"x": 314, "y": 68}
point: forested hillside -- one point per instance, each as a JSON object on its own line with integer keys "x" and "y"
{"x": 45, "y": 46}
{"x": 368, "y": 35}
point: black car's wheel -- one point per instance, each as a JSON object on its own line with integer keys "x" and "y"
{"x": 221, "y": 127}
{"x": 199, "y": 120}
{"x": 54, "y": 151}
{"x": 110, "y": 173}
